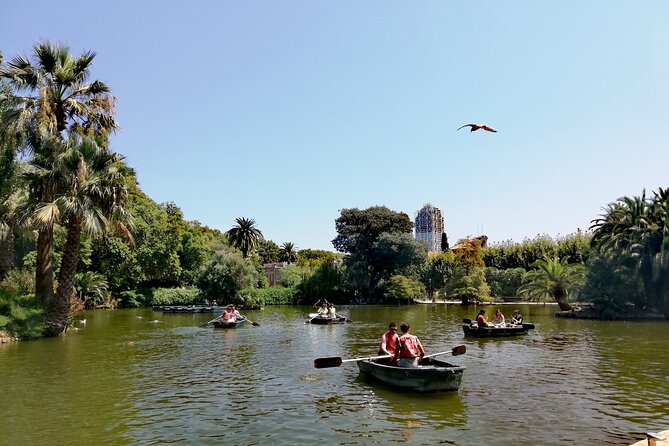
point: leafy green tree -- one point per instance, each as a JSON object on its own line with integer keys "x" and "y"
{"x": 268, "y": 251}
{"x": 314, "y": 258}
{"x": 553, "y": 277}
{"x": 245, "y": 236}
{"x": 402, "y": 287}
{"x": 638, "y": 229}
{"x": 288, "y": 253}
{"x": 380, "y": 244}
{"x": 467, "y": 280}
{"x": 435, "y": 271}
{"x": 11, "y": 192}
{"x": 612, "y": 286}
{"x": 327, "y": 282}
{"x": 225, "y": 275}
{"x": 52, "y": 96}
{"x": 293, "y": 275}
{"x": 358, "y": 230}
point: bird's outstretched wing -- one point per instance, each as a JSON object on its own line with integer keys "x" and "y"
{"x": 467, "y": 125}
{"x": 489, "y": 129}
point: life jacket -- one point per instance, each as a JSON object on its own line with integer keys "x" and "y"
{"x": 408, "y": 346}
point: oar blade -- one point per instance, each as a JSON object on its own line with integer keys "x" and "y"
{"x": 322, "y": 363}
{"x": 206, "y": 324}
{"x": 459, "y": 350}
{"x": 255, "y": 324}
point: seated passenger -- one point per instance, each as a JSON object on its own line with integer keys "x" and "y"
{"x": 516, "y": 318}
{"x": 332, "y": 312}
{"x": 235, "y": 313}
{"x": 228, "y": 315}
{"x": 499, "y": 319}
{"x": 409, "y": 349}
{"x": 480, "y": 319}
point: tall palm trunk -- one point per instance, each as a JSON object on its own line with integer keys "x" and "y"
{"x": 59, "y": 318}
{"x": 44, "y": 268}
{"x": 6, "y": 253}
{"x": 560, "y": 296}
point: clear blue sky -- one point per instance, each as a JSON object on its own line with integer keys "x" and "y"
{"x": 289, "y": 111}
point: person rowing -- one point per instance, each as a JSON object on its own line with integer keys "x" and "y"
{"x": 389, "y": 342}
{"x": 410, "y": 351}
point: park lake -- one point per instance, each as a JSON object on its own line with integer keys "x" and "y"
{"x": 141, "y": 377}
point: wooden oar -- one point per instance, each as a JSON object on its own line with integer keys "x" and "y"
{"x": 455, "y": 351}
{"x": 255, "y": 324}
{"x": 207, "y": 323}
{"x": 336, "y": 361}
{"x": 312, "y": 316}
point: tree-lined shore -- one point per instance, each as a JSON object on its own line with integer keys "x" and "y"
{"x": 76, "y": 231}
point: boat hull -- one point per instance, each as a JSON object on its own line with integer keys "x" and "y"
{"x": 327, "y": 320}
{"x": 221, "y": 324}
{"x": 496, "y": 332}
{"x": 431, "y": 376}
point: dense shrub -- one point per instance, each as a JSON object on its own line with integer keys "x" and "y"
{"x": 174, "y": 296}
{"x": 509, "y": 254}
{"x": 401, "y": 287}
{"x": 21, "y": 316}
{"x": 259, "y": 297}
{"x": 612, "y": 287}
{"x": 504, "y": 282}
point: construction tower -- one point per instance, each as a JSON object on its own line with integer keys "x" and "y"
{"x": 429, "y": 226}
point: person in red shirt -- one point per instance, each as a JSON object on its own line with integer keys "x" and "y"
{"x": 389, "y": 342}
{"x": 410, "y": 351}
{"x": 480, "y": 319}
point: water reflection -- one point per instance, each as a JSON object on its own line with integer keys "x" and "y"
{"x": 439, "y": 410}
{"x": 143, "y": 383}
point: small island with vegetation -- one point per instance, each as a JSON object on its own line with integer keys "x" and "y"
{"x": 77, "y": 232}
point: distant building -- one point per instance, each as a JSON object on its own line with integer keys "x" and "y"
{"x": 273, "y": 272}
{"x": 429, "y": 225}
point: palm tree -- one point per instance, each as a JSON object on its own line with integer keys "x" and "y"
{"x": 553, "y": 278}
{"x": 638, "y": 229}
{"x": 57, "y": 98}
{"x": 245, "y": 236}
{"x": 86, "y": 187}
{"x": 93, "y": 195}
{"x": 93, "y": 290}
{"x": 288, "y": 253}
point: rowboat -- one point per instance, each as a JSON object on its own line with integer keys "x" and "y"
{"x": 319, "y": 319}
{"x": 473, "y": 330}
{"x": 324, "y": 320}
{"x": 431, "y": 375}
{"x": 220, "y": 323}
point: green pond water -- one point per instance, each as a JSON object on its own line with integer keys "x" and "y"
{"x": 140, "y": 377}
